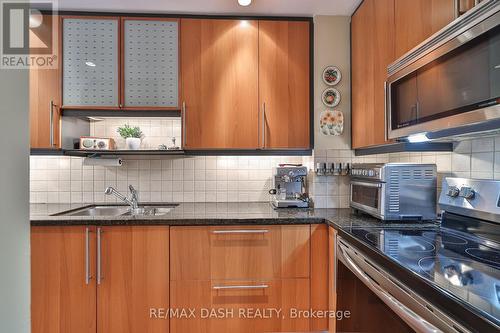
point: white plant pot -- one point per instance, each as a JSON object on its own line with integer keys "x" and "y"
{"x": 133, "y": 143}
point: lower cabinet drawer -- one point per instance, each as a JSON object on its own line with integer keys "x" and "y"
{"x": 240, "y": 252}
{"x": 239, "y": 306}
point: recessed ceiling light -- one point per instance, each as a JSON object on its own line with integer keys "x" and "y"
{"x": 244, "y": 2}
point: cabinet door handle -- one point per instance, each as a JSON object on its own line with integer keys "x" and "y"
{"x": 263, "y": 125}
{"x": 99, "y": 277}
{"x": 87, "y": 257}
{"x": 51, "y": 119}
{"x": 457, "y": 8}
{"x": 257, "y": 286}
{"x": 242, "y": 231}
{"x": 184, "y": 129}
{"x": 386, "y": 112}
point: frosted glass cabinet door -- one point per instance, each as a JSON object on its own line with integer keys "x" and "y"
{"x": 151, "y": 63}
{"x": 90, "y": 62}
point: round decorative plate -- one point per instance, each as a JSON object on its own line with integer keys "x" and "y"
{"x": 332, "y": 75}
{"x": 331, "y": 122}
{"x": 331, "y": 97}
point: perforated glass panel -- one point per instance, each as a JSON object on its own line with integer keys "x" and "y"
{"x": 90, "y": 62}
{"x": 151, "y": 63}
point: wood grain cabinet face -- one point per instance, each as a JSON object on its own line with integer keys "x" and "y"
{"x": 219, "y": 71}
{"x": 240, "y": 253}
{"x": 61, "y": 299}
{"x": 381, "y": 32}
{"x": 134, "y": 277}
{"x": 284, "y": 77}
{"x": 240, "y": 268}
{"x": 416, "y": 20}
{"x": 45, "y": 101}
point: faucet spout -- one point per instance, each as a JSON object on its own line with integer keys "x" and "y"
{"x": 133, "y": 202}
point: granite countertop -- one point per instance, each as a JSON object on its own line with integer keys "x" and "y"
{"x": 214, "y": 214}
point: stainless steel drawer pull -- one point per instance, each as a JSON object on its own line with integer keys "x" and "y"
{"x": 87, "y": 259}
{"x": 257, "y": 286}
{"x": 245, "y": 231}
{"x": 98, "y": 255}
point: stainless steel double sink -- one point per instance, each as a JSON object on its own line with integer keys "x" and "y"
{"x": 119, "y": 210}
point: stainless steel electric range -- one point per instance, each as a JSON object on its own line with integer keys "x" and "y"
{"x": 460, "y": 259}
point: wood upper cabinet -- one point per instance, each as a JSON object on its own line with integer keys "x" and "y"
{"x": 45, "y": 101}
{"x": 416, "y": 20}
{"x": 372, "y": 48}
{"x": 134, "y": 277}
{"x": 284, "y": 84}
{"x": 62, "y": 300}
{"x": 381, "y": 32}
{"x": 219, "y": 70}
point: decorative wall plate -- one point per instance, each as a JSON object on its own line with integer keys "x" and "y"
{"x": 331, "y": 97}
{"x": 332, "y": 75}
{"x": 331, "y": 122}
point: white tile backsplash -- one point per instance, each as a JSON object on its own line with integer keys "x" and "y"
{"x": 234, "y": 178}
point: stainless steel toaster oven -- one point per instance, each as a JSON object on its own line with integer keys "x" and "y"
{"x": 394, "y": 191}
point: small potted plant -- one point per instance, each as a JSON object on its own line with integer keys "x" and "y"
{"x": 132, "y": 136}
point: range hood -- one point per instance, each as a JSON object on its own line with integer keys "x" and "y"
{"x": 448, "y": 87}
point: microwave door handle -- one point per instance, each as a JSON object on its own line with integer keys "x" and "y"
{"x": 366, "y": 184}
{"x": 410, "y": 317}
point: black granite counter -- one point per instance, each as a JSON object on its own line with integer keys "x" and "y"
{"x": 212, "y": 214}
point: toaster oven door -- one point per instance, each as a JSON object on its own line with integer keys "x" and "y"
{"x": 368, "y": 197}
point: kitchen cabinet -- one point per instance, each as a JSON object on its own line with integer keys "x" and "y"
{"x": 99, "y": 279}
{"x": 219, "y": 72}
{"x": 133, "y": 278}
{"x": 90, "y": 66}
{"x": 416, "y": 20}
{"x": 150, "y": 60}
{"x": 241, "y": 268}
{"x": 45, "y": 102}
{"x": 372, "y": 47}
{"x": 63, "y": 288}
{"x": 381, "y": 32}
{"x": 284, "y": 84}
{"x": 245, "y": 84}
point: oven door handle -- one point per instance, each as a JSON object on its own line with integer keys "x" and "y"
{"x": 366, "y": 184}
{"x": 411, "y": 318}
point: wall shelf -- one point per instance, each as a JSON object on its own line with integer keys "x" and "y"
{"x": 120, "y": 113}
{"x": 147, "y": 152}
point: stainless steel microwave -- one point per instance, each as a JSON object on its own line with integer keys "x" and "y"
{"x": 450, "y": 84}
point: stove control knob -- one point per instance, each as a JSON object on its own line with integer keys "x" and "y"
{"x": 365, "y": 172}
{"x": 453, "y": 192}
{"x": 467, "y": 193}
{"x": 371, "y": 173}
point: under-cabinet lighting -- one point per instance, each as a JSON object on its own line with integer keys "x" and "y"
{"x": 420, "y": 137}
{"x": 90, "y": 64}
{"x": 244, "y": 2}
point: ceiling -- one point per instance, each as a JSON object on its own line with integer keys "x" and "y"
{"x": 258, "y": 7}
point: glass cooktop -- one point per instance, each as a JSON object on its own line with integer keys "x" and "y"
{"x": 463, "y": 265}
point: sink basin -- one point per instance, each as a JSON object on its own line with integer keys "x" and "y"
{"x": 143, "y": 210}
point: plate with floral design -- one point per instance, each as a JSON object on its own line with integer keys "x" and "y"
{"x": 330, "y": 97}
{"x": 331, "y": 122}
{"x": 332, "y": 75}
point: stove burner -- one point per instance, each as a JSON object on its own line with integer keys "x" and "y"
{"x": 372, "y": 237}
{"x": 490, "y": 256}
{"x": 446, "y": 239}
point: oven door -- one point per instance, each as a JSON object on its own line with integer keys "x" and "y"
{"x": 368, "y": 197}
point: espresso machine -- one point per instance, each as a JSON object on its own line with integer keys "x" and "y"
{"x": 289, "y": 190}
